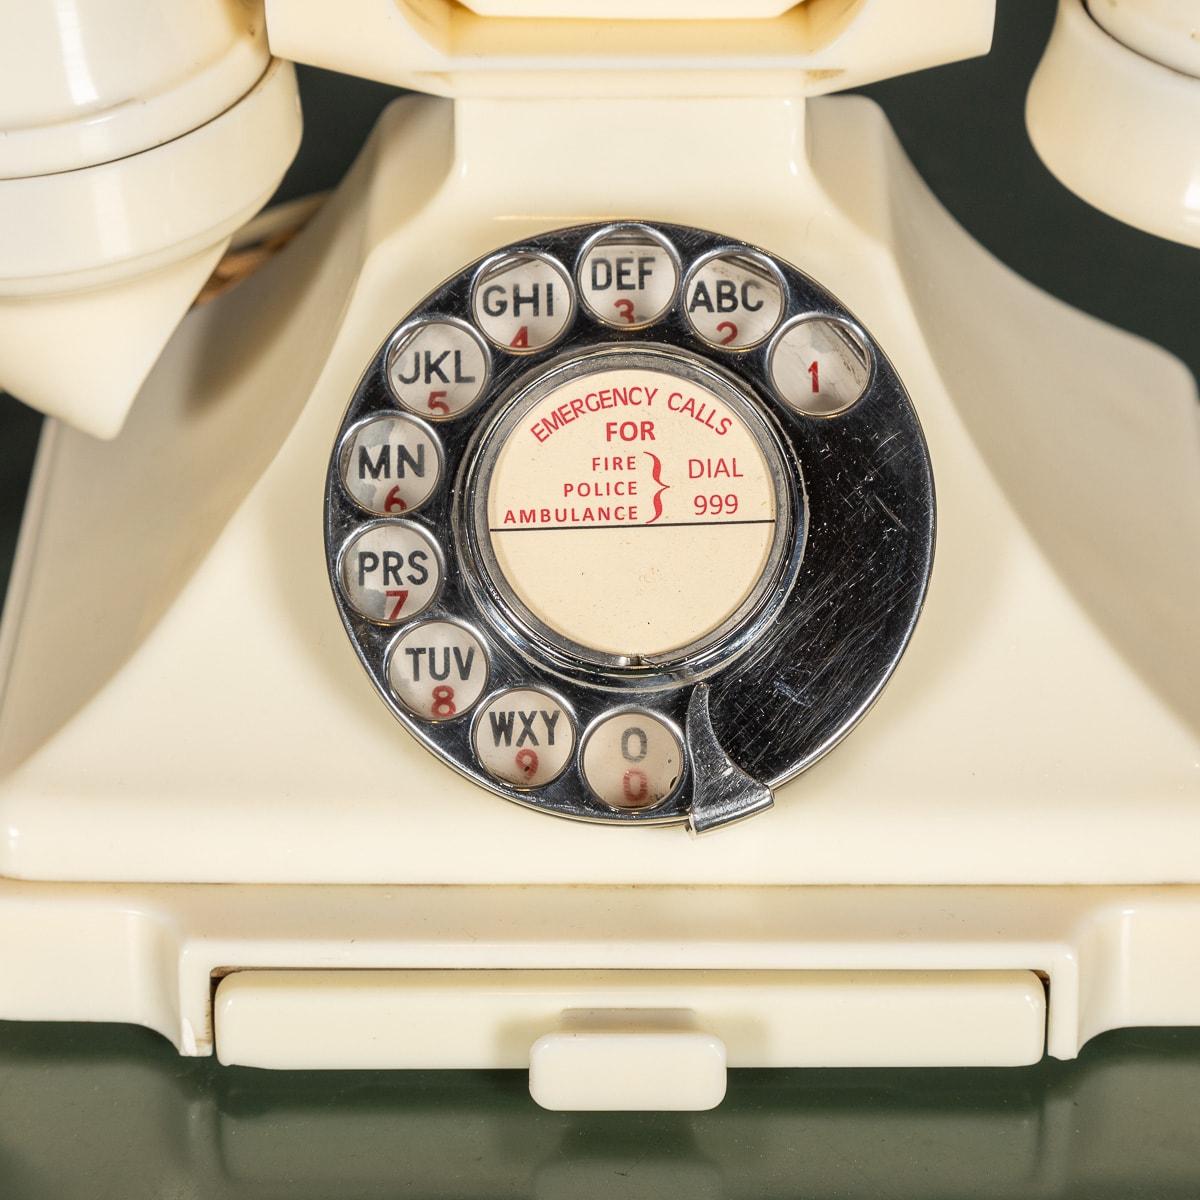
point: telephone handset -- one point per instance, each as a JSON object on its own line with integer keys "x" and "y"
{"x": 630, "y": 523}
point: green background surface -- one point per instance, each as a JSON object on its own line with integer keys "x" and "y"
{"x": 104, "y": 1111}
{"x": 113, "y": 1112}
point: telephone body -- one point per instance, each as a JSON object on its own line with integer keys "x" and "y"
{"x": 1000, "y": 860}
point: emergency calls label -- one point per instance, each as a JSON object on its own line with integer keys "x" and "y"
{"x": 632, "y": 510}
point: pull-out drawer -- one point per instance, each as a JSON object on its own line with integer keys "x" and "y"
{"x": 629, "y": 1039}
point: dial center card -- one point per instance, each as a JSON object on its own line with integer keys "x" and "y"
{"x": 632, "y": 509}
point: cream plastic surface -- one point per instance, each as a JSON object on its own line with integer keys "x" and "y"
{"x": 494, "y": 1019}
{"x": 1167, "y": 31}
{"x": 522, "y": 47}
{"x": 635, "y": 10}
{"x": 90, "y": 81}
{"x": 1116, "y": 120}
{"x": 188, "y": 742}
{"x": 133, "y": 142}
{"x": 628, "y": 1060}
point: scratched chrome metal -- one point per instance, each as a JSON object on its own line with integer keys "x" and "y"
{"x": 780, "y": 696}
{"x": 721, "y": 791}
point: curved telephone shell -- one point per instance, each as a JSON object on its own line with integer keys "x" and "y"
{"x": 629, "y": 47}
{"x": 134, "y": 144}
{"x": 1114, "y": 107}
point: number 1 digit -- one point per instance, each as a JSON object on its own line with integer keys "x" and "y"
{"x": 815, "y": 371}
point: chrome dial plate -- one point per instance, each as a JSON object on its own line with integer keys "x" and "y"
{"x": 759, "y": 531}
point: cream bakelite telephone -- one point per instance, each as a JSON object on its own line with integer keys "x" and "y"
{"x": 598, "y": 415}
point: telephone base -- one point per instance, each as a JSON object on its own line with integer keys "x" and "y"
{"x": 157, "y": 956}
{"x": 181, "y": 708}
